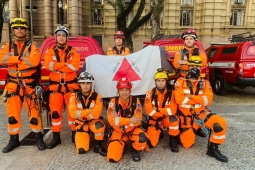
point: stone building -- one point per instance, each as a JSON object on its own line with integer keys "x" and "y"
{"x": 214, "y": 20}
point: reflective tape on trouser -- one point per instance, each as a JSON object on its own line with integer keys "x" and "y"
{"x": 14, "y": 130}
{"x": 56, "y": 123}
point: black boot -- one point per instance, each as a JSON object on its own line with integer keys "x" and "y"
{"x": 200, "y": 133}
{"x": 214, "y": 152}
{"x": 13, "y": 143}
{"x": 55, "y": 141}
{"x": 135, "y": 155}
{"x": 73, "y": 136}
{"x": 40, "y": 143}
{"x": 173, "y": 143}
{"x": 99, "y": 149}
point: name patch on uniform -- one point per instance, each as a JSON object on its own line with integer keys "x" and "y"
{"x": 101, "y": 100}
{"x": 176, "y": 83}
{"x": 139, "y": 105}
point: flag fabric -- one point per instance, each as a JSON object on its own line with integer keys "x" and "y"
{"x": 139, "y": 67}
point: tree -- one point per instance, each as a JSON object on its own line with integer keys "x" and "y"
{"x": 123, "y": 11}
{"x": 2, "y": 4}
{"x": 155, "y": 18}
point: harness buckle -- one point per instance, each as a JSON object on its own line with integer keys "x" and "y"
{"x": 62, "y": 79}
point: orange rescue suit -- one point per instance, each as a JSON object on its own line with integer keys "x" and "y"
{"x": 118, "y": 51}
{"x": 196, "y": 105}
{"x": 162, "y": 119}
{"x": 62, "y": 82}
{"x": 87, "y": 119}
{"x": 21, "y": 83}
{"x": 124, "y": 130}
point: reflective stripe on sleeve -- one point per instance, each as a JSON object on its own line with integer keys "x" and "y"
{"x": 152, "y": 113}
{"x": 78, "y": 114}
{"x": 51, "y": 66}
{"x": 116, "y": 121}
{"x": 205, "y": 100}
{"x": 169, "y": 111}
{"x": 185, "y": 100}
{"x": 71, "y": 67}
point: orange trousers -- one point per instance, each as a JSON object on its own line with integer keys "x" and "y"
{"x": 118, "y": 141}
{"x": 14, "y": 106}
{"x": 215, "y": 123}
{"x": 56, "y": 102}
{"x": 82, "y": 136}
{"x": 169, "y": 122}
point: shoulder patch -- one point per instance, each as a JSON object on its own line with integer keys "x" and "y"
{"x": 139, "y": 105}
{"x": 2, "y": 47}
{"x": 37, "y": 45}
{"x": 101, "y": 100}
{"x": 110, "y": 48}
{"x": 176, "y": 83}
{"x": 147, "y": 95}
{"x": 70, "y": 100}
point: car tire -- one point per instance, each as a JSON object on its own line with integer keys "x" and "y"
{"x": 218, "y": 85}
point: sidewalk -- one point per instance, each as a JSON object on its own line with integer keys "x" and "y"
{"x": 239, "y": 147}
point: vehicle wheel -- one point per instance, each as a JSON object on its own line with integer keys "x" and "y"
{"x": 218, "y": 85}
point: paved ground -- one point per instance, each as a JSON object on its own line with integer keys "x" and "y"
{"x": 239, "y": 147}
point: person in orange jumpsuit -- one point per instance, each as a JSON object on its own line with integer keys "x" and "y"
{"x": 193, "y": 96}
{"x": 86, "y": 106}
{"x": 118, "y": 49}
{"x": 63, "y": 62}
{"x": 23, "y": 59}
{"x": 161, "y": 108}
{"x": 181, "y": 57}
{"x": 125, "y": 116}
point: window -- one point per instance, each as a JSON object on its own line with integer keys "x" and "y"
{"x": 96, "y": 1}
{"x": 186, "y": 14}
{"x": 231, "y": 50}
{"x": 186, "y": 18}
{"x": 97, "y": 17}
{"x": 251, "y": 50}
{"x": 237, "y": 14}
{"x": 212, "y": 53}
{"x": 98, "y": 39}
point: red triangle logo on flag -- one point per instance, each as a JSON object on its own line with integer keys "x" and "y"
{"x": 127, "y": 71}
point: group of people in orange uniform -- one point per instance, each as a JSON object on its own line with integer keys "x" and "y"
{"x": 183, "y": 110}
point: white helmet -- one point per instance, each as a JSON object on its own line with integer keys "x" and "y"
{"x": 62, "y": 28}
{"x": 85, "y": 77}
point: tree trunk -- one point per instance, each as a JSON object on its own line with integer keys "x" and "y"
{"x": 129, "y": 42}
{"x": 155, "y": 27}
{"x": 156, "y": 14}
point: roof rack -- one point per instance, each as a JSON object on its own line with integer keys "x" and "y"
{"x": 216, "y": 43}
{"x": 243, "y": 37}
{"x": 163, "y": 36}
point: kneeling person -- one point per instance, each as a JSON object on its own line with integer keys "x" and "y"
{"x": 86, "y": 106}
{"x": 125, "y": 116}
{"x": 161, "y": 108}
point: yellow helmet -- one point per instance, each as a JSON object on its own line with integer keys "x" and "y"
{"x": 19, "y": 22}
{"x": 195, "y": 61}
{"x": 160, "y": 74}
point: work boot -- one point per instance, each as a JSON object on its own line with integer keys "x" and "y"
{"x": 13, "y": 143}
{"x": 173, "y": 143}
{"x": 200, "y": 133}
{"x": 214, "y": 152}
{"x": 73, "y": 136}
{"x": 55, "y": 141}
{"x": 135, "y": 155}
{"x": 40, "y": 143}
{"x": 99, "y": 149}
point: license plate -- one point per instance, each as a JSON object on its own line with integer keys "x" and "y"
{"x": 2, "y": 82}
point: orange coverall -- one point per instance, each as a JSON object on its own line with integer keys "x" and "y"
{"x": 162, "y": 119}
{"x": 214, "y": 122}
{"x": 19, "y": 88}
{"x": 87, "y": 119}
{"x": 62, "y": 83}
{"x": 124, "y": 52}
{"x": 184, "y": 68}
{"x": 124, "y": 130}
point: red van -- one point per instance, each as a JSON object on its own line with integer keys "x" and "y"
{"x": 84, "y": 45}
{"x": 173, "y": 44}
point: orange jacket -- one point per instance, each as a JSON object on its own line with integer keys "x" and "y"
{"x": 26, "y": 66}
{"x": 178, "y": 56}
{"x": 169, "y": 109}
{"x": 117, "y": 121}
{"x": 76, "y": 110}
{"x": 111, "y": 51}
{"x": 204, "y": 97}
{"x": 62, "y": 69}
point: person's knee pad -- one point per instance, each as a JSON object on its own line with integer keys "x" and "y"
{"x": 12, "y": 120}
{"x": 217, "y": 128}
{"x": 98, "y": 128}
{"x": 33, "y": 121}
{"x": 142, "y": 137}
{"x": 153, "y": 135}
{"x": 173, "y": 118}
{"x": 55, "y": 115}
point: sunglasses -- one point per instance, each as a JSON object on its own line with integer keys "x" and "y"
{"x": 16, "y": 28}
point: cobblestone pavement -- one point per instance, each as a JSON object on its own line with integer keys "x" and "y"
{"x": 239, "y": 147}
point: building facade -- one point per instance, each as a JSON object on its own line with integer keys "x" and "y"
{"x": 213, "y": 20}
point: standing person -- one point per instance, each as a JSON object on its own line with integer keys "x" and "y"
{"x": 23, "y": 60}
{"x": 125, "y": 116}
{"x": 86, "y": 107}
{"x": 118, "y": 49}
{"x": 193, "y": 95}
{"x": 181, "y": 57}
{"x": 161, "y": 108}
{"x": 63, "y": 62}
